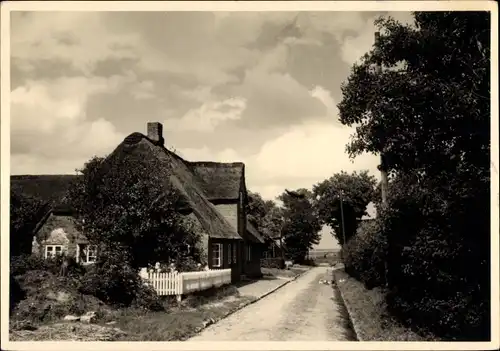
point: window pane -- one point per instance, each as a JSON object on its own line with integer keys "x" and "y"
{"x": 49, "y": 248}
{"x": 216, "y": 255}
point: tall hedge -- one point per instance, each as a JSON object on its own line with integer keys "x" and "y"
{"x": 439, "y": 257}
{"x": 365, "y": 253}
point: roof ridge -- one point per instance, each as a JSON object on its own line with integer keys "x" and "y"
{"x": 215, "y": 163}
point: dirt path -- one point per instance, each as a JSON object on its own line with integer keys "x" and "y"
{"x": 302, "y": 310}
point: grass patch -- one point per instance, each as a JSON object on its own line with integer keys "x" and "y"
{"x": 344, "y": 318}
{"x": 178, "y": 321}
{"x": 68, "y": 332}
{"x": 368, "y": 313}
{"x": 281, "y": 273}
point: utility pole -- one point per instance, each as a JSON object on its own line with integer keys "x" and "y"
{"x": 342, "y": 214}
{"x": 383, "y": 164}
{"x": 383, "y": 177}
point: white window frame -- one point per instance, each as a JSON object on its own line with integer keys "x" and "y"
{"x": 85, "y": 258}
{"x": 235, "y": 252}
{"x": 249, "y": 253}
{"x": 53, "y": 251}
{"x": 218, "y": 263}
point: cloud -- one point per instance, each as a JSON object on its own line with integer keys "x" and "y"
{"x": 256, "y": 87}
{"x": 326, "y": 98}
{"x": 209, "y": 115}
{"x": 40, "y": 36}
{"x": 144, "y": 90}
{"x": 301, "y": 157}
{"x": 356, "y": 45}
{"x": 308, "y": 153}
{"x": 49, "y": 124}
{"x": 205, "y": 154}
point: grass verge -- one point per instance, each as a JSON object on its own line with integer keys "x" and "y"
{"x": 344, "y": 317}
{"x": 368, "y": 313}
{"x": 284, "y": 273}
{"x": 280, "y": 273}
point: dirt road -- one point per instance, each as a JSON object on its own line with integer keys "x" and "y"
{"x": 301, "y": 310}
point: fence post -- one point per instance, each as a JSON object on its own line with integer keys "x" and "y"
{"x": 180, "y": 286}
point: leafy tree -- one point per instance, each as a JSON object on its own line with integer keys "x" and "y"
{"x": 428, "y": 111}
{"x": 357, "y": 190}
{"x": 24, "y": 214}
{"x": 256, "y": 209}
{"x": 301, "y": 225}
{"x": 264, "y": 214}
{"x": 130, "y": 211}
{"x": 272, "y": 223}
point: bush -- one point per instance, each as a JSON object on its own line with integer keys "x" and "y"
{"x": 116, "y": 283}
{"x": 16, "y": 293}
{"x": 276, "y": 262}
{"x": 22, "y": 264}
{"x": 146, "y": 298}
{"x": 364, "y": 255}
{"x": 46, "y": 297}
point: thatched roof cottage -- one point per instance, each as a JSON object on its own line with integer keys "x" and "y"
{"x": 215, "y": 196}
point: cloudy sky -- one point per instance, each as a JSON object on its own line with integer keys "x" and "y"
{"x": 259, "y": 87}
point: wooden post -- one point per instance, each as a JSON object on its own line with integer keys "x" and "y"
{"x": 383, "y": 180}
{"x": 384, "y": 183}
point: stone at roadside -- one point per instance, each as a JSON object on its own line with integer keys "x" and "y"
{"x": 111, "y": 323}
{"x": 88, "y": 317}
{"x": 71, "y": 318}
{"x": 208, "y": 322}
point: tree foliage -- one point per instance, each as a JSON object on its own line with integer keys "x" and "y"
{"x": 429, "y": 107}
{"x": 130, "y": 211}
{"x": 264, "y": 214}
{"x": 428, "y": 110}
{"x": 357, "y": 190}
{"x": 24, "y": 214}
{"x": 301, "y": 225}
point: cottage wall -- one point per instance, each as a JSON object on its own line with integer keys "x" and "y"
{"x": 58, "y": 230}
{"x": 230, "y": 213}
{"x": 252, "y": 266}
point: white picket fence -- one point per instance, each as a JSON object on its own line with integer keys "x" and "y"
{"x": 186, "y": 282}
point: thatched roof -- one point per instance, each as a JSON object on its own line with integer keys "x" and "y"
{"x": 198, "y": 183}
{"x": 50, "y": 189}
{"x": 219, "y": 181}
{"x": 254, "y": 236}
{"x": 177, "y": 173}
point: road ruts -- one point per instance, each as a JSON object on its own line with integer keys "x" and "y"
{"x": 302, "y": 310}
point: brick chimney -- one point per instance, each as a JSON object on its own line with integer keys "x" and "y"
{"x": 155, "y": 132}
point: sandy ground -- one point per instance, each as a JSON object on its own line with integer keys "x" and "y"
{"x": 300, "y": 311}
